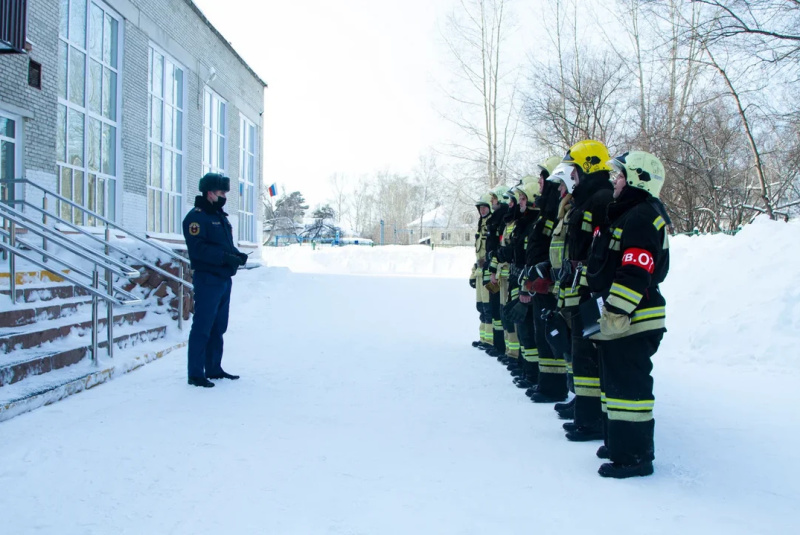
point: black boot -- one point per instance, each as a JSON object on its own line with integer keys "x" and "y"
{"x": 532, "y": 390}
{"x": 602, "y": 452}
{"x": 541, "y": 397}
{"x": 585, "y": 434}
{"x": 622, "y": 471}
{"x": 566, "y": 414}
{"x": 223, "y": 375}
{"x": 494, "y": 352}
{"x": 558, "y": 407}
{"x": 200, "y": 381}
{"x": 569, "y": 426}
{"x": 476, "y": 343}
{"x": 522, "y": 382}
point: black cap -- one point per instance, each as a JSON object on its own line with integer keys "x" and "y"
{"x": 214, "y": 182}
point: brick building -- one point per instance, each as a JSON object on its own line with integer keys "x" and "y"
{"x": 122, "y": 105}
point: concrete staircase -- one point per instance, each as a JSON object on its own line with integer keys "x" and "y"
{"x": 49, "y": 330}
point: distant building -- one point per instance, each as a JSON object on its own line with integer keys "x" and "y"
{"x": 122, "y": 105}
{"x": 441, "y": 226}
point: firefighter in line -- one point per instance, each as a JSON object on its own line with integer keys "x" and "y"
{"x": 494, "y": 231}
{"x": 526, "y": 371}
{"x": 503, "y": 272}
{"x": 484, "y": 207}
{"x": 591, "y": 193}
{"x": 552, "y": 385}
{"x": 629, "y": 259}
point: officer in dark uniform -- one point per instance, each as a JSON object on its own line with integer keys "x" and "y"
{"x": 214, "y": 258}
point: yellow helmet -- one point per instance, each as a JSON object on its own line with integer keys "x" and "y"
{"x": 589, "y": 155}
{"x": 642, "y": 170}
{"x": 500, "y": 192}
{"x": 549, "y": 164}
{"x": 530, "y": 189}
{"x": 529, "y": 178}
{"x": 485, "y": 200}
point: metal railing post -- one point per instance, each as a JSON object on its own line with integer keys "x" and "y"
{"x": 44, "y": 222}
{"x": 95, "y": 327}
{"x": 109, "y": 304}
{"x": 180, "y": 297}
{"x": 12, "y": 263}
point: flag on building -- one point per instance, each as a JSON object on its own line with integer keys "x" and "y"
{"x": 273, "y": 190}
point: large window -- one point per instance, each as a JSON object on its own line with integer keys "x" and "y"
{"x": 88, "y": 126}
{"x": 165, "y": 166}
{"x": 247, "y": 173}
{"x": 10, "y": 131}
{"x": 215, "y": 133}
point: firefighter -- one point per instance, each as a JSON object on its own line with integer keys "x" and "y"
{"x": 526, "y": 370}
{"x": 214, "y": 259}
{"x": 484, "y": 207}
{"x": 494, "y": 231}
{"x": 509, "y": 289}
{"x": 591, "y": 194}
{"x": 629, "y": 259}
{"x": 552, "y": 384}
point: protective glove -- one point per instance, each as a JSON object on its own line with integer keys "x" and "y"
{"x": 612, "y": 324}
{"x": 493, "y": 287}
{"x": 542, "y": 285}
{"x": 518, "y": 312}
{"x": 232, "y": 260}
{"x": 243, "y": 257}
{"x": 472, "y": 282}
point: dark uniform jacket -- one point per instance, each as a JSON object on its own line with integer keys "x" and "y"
{"x": 209, "y": 237}
{"x": 591, "y": 198}
{"x": 494, "y": 231}
{"x": 629, "y": 259}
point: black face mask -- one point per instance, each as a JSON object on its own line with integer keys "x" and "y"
{"x": 219, "y": 203}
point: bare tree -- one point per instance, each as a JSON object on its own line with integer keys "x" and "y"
{"x": 485, "y": 91}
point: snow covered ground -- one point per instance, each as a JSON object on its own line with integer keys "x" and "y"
{"x": 362, "y": 408}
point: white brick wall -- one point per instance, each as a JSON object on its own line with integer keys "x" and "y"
{"x": 174, "y": 26}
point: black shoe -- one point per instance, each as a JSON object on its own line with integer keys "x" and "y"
{"x": 564, "y": 406}
{"x": 622, "y": 471}
{"x": 585, "y": 434}
{"x": 522, "y": 382}
{"x": 494, "y": 352}
{"x": 541, "y": 397}
{"x": 511, "y": 366}
{"x": 532, "y": 390}
{"x": 476, "y": 343}
{"x": 567, "y": 414}
{"x": 200, "y": 381}
{"x": 602, "y": 452}
{"x": 223, "y": 375}
{"x": 569, "y": 426}
{"x": 504, "y": 359}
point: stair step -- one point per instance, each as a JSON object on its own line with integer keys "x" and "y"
{"x": 34, "y": 335}
{"x": 26, "y": 315}
{"x": 34, "y": 293}
{"x": 38, "y": 362}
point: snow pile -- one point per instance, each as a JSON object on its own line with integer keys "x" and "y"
{"x": 735, "y": 300}
{"x": 365, "y": 260}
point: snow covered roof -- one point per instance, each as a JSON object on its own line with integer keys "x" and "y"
{"x": 439, "y": 217}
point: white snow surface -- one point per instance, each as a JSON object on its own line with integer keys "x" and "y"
{"x": 362, "y": 409}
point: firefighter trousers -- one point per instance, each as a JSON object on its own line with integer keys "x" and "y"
{"x": 627, "y": 397}
{"x": 552, "y": 367}
{"x": 586, "y": 377}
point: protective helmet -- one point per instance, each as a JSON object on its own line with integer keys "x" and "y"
{"x": 485, "y": 200}
{"x": 589, "y": 156}
{"x": 563, "y": 173}
{"x": 529, "y": 178}
{"x": 549, "y": 164}
{"x": 641, "y": 169}
{"x": 530, "y": 189}
{"x": 214, "y": 182}
{"x": 500, "y": 192}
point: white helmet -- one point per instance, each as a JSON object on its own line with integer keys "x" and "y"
{"x": 563, "y": 173}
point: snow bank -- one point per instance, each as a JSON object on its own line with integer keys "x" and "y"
{"x": 383, "y": 260}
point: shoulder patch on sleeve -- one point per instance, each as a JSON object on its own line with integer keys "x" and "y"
{"x": 194, "y": 228}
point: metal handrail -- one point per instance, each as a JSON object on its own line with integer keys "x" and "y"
{"x": 73, "y": 247}
{"x": 99, "y": 259}
{"x": 120, "y": 250}
{"x": 182, "y": 262}
{"x": 85, "y": 210}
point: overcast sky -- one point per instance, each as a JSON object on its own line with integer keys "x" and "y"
{"x": 351, "y": 83}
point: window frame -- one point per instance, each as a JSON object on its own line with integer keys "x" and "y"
{"x": 176, "y": 196}
{"x": 247, "y": 214}
{"x": 111, "y": 178}
{"x": 213, "y": 145}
